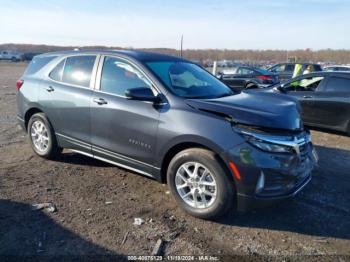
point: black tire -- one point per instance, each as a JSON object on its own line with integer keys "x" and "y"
{"x": 250, "y": 86}
{"x": 225, "y": 187}
{"x": 52, "y": 150}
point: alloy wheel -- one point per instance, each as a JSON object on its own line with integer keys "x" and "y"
{"x": 196, "y": 185}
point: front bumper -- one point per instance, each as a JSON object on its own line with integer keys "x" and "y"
{"x": 249, "y": 202}
{"x": 284, "y": 174}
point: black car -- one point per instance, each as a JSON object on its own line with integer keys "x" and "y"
{"x": 325, "y": 98}
{"x": 286, "y": 70}
{"x": 245, "y": 77}
{"x": 169, "y": 119}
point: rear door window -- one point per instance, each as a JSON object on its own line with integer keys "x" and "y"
{"x": 244, "y": 71}
{"x": 289, "y": 68}
{"x": 37, "y": 63}
{"x": 338, "y": 84}
{"x": 78, "y": 69}
{"x": 278, "y": 68}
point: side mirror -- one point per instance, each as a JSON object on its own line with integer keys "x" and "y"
{"x": 141, "y": 94}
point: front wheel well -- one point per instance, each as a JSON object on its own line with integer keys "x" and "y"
{"x": 29, "y": 114}
{"x": 181, "y": 147}
{"x": 249, "y": 85}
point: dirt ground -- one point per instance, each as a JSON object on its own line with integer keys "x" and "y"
{"x": 315, "y": 224}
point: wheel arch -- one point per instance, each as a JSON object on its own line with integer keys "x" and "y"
{"x": 251, "y": 83}
{"x": 29, "y": 114}
{"x": 181, "y": 146}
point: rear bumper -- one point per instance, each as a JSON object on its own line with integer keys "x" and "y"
{"x": 21, "y": 122}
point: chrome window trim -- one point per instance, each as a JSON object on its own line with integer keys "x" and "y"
{"x": 93, "y": 72}
{"x": 97, "y": 88}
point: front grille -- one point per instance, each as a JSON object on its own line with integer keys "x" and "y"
{"x": 303, "y": 151}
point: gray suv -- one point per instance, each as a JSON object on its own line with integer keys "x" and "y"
{"x": 169, "y": 119}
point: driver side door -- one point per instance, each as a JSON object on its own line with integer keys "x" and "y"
{"x": 123, "y": 131}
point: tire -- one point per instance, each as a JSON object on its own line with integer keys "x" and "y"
{"x": 250, "y": 86}
{"x": 217, "y": 206}
{"x": 47, "y": 146}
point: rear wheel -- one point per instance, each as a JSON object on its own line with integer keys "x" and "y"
{"x": 42, "y": 136}
{"x": 200, "y": 184}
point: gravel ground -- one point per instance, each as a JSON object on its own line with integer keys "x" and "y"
{"x": 97, "y": 203}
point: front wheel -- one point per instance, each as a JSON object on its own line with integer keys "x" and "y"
{"x": 200, "y": 184}
{"x": 42, "y": 137}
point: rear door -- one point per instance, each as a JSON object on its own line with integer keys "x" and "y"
{"x": 304, "y": 90}
{"x": 332, "y": 103}
{"x": 65, "y": 96}
{"x": 123, "y": 130}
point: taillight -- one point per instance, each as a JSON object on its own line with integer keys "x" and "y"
{"x": 264, "y": 77}
{"x": 19, "y": 83}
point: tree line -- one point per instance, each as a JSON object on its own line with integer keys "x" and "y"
{"x": 340, "y": 56}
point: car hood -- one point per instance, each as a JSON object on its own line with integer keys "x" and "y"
{"x": 262, "y": 109}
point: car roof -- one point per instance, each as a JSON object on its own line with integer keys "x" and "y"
{"x": 326, "y": 73}
{"x": 337, "y": 66}
{"x": 295, "y": 63}
{"x": 137, "y": 55}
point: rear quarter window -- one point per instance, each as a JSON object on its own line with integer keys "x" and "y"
{"x": 38, "y": 63}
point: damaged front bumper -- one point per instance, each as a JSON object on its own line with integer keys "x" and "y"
{"x": 269, "y": 177}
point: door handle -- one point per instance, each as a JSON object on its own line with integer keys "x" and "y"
{"x": 100, "y": 101}
{"x": 50, "y": 89}
{"x": 307, "y": 96}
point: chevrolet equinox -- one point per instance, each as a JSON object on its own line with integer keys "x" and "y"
{"x": 169, "y": 119}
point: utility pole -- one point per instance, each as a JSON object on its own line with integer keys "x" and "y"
{"x": 182, "y": 39}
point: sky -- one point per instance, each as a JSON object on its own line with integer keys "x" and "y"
{"x": 230, "y": 24}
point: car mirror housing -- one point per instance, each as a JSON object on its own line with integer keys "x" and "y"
{"x": 141, "y": 94}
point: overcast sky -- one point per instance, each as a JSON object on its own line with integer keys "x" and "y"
{"x": 248, "y": 24}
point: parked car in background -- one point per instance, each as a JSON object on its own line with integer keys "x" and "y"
{"x": 245, "y": 77}
{"x": 325, "y": 98}
{"x": 286, "y": 70}
{"x": 29, "y": 56}
{"x": 168, "y": 118}
{"x": 337, "y": 68}
{"x": 11, "y": 55}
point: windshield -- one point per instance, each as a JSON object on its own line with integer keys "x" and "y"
{"x": 188, "y": 80}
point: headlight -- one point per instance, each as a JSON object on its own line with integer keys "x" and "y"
{"x": 267, "y": 142}
{"x": 267, "y": 146}
{"x": 277, "y": 143}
